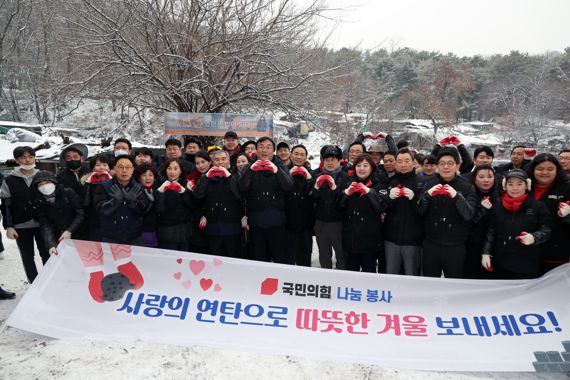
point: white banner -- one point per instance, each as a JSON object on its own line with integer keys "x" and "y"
{"x": 392, "y": 321}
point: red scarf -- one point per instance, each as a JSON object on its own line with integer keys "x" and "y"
{"x": 539, "y": 191}
{"x": 513, "y": 204}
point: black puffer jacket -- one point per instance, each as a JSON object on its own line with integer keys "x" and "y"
{"x": 402, "y": 224}
{"x": 326, "y": 199}
{"x": 299, "y": 206}
{"x": 265, "y": 195}
{"x": 173, "y": 208}
{"x": 557, "y": 248}
{"x": 446, "y": 219}
{"x": 480, "y": 222}
{"x": 65, "y": 214}
{"x": 501, "y": 243}
{"x": 223, "y": 206}
{"x": 362, "y": 218}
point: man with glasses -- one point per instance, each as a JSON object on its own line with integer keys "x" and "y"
{"x": 564, "y": 158}
{"x": 264, "y": 184}
{"x": 121, "y": 203}
{"x": 447, "y": 204}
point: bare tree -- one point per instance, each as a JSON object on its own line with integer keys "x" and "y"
{"x": 196, "y": 56}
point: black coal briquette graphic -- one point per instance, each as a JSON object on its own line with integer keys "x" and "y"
{"x": 114, "y": 286}
{"x": 553, "y": 361}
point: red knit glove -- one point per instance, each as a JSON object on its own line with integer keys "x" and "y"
{"x": 301, "y": 171}
{"x": 262, "y": 165}
{"x": 529, "y": 153}
{"x": 98, "y": 177}
{"x": 322, "y": 180}
{"x": 174, "y": 186}
{"x": 355, "y": 187}
{"x": 218, "y": 171}
{"x": 95, "y": 280}
{"x": 564, "y": 209}
{"x": 445, "y": 141}
{"x": 132, "y": 273}
{"x": 454, "y": 140}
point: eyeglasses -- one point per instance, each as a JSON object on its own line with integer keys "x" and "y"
{"x": 446, "y": 163}
{"x": 121, "y": 167}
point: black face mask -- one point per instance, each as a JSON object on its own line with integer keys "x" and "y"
{"x": 73, "y": 164}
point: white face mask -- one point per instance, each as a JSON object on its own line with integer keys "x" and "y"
{"x": 47, "y": 189}
{"x": 28, "y": 167}
{"x": 120, "y": 152}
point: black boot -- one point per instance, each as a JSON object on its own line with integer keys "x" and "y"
{"x": 5, "y": 295}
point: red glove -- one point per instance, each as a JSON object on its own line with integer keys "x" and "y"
{"x": 191, "y": 185}
{"x": 301, "y": 171}
{"x": 132, "y": 273}
{"x": 525, "y": 238}
{"x": 454, "y": 140}
{"x": 486, "y": 202}
{"x": 203, "y": 223}
{"x": 174, "y": 186}
{"x": 261, "y": 165}
{"x": 98, "y": 177}
{"x": 379, "y": 135}
{"x": 445, "y": 141}
{"x": 218, "y": 171}
{"x": 355, "y": 187}
{"x": 95, "y": 280}
{"x": 322, "y": 180}
{"x": 402, "y": 192}
{"x": 529, "y": 153}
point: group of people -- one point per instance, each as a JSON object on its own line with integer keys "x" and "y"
{"x": 385, "y": 209}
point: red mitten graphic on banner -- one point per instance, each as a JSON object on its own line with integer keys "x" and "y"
{"x": 95, "y": 280}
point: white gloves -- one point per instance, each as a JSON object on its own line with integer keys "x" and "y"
{"x": 563, "y": 209}
{"x": 65, "y": 235}
{"x": 525, "y": 238}
{"x": 486, "y": 262}
{"x": 244, "y": 224}
{"x": 485, "y": 202}
{"x": 11, "y": 233}
{"x": 394, "y": 193}
{"x": 203, "y": 223}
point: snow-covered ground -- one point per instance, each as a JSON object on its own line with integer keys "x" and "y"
{"x": 24, "y": 355}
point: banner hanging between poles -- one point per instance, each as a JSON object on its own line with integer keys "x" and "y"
{"x": 217, "y": 124}
{"x": 393, "y": 321}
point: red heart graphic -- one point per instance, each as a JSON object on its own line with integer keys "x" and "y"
{"x": 196, "y": 266}
{"x": 177, "y": 275}
{"x": 179, "y": 261}
{"x": 206, "y": 283}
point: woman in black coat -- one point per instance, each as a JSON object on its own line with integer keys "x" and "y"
{"x": 487, "y": 194}
{"x": 362, "y": 209}
{"x": 519, "y": 227}
{"x": 552, "y": 189}
{"x": 173, "y": 202}
{"x": 59, "y": 209}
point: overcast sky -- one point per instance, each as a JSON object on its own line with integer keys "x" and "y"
{"x": 459, "y": 26}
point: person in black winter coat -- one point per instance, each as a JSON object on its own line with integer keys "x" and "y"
{"x": 18, "y": 217}
{"x": 447, "y": 206}
{"x": 59, "y": 210}
{"x": 121, "y": 204}
{"x": 552, "y": 189}
{"x": 173, "y": 203}
{"x": 454, "y": 142}
{"x": 72, "y": 157}
{"x": 519, "y": 227}
{"x": 520, "y": 158}
{"x": 264, "y": 184}
{"x": 147, "y": 176}
{"x": 362, "y": 209}
{"x": 300, "y": 208}
{"x": 199, "y": 240}
{"x": 487, "y": 195}
{"x": 100, "y": 172}
{"x": 224, "y": 214}
{"x": 328, "y": 219}
{"x": 403, "y": 228}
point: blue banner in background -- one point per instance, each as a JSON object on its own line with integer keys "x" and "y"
{"x": 217, "y": 124}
